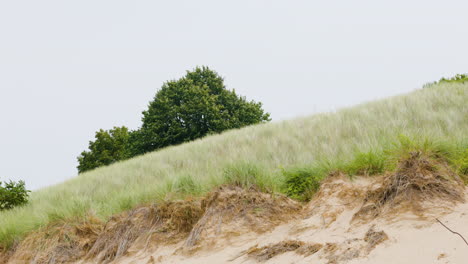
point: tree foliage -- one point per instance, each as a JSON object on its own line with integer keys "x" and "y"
{"x": 13, "y": 194}
{"x": 108, "y": 147}
{"x": 191, "y": 107}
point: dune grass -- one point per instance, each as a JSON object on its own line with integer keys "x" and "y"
{"x": 356, "y": 140}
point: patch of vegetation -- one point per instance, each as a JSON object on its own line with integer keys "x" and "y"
{"x": 13, "y": 194}
{"x": 248, "y": 174}
{"x": 461, "y": 163}
{"x": 366, "y": 163}
{"x": 302, "y": 183}
{"x": 187, "y": 185}
{"x": 459, "y": 78}
{"x": 405, "y": 146}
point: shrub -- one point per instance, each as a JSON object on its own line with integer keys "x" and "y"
{"x": 302, "y": 183}
{"x": 13, "y": 194}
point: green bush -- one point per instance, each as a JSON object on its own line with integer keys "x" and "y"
{"x": 302, "y": 183}
{"x": 13, "y": 194}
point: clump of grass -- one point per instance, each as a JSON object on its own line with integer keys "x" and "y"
{"x": 461, "y": 164}
{"x": 418, "y": 178}
{"x": 366, "y": 163}
{"x": 451, "y": 152}
{"x": 247, "y": 175}
{"x": 187, "y": 185}
{"x": 432, "y": 147}
{"x": 302, "y": 183}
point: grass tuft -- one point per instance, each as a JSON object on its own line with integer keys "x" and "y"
{"x": 248, "y": 174}
{"x": 366, "y": 163}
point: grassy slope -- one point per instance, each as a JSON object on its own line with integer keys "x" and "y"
{"x": 438, "y": 112}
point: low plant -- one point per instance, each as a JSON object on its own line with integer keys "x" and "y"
{"x": 302, "y": 183}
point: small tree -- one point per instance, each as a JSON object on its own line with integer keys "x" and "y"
{"x": 13, "y": 194}
{"x": 110, "y": 146}
{"x": 192, "y": 107}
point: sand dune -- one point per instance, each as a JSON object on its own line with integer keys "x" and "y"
{"x": 389, "y": 218}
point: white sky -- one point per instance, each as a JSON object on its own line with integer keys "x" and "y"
{"x": 68, "y": 68}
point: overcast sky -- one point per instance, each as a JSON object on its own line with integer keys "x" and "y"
{"x": 68, "y": 68}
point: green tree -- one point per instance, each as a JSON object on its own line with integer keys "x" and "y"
{"x": 196, "y": 105}
{"x": 109, "y": 146}
{"x": 13, "y": 194}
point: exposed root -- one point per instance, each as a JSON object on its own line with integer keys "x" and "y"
{"x": 164, "y": 223}
{"x": 228, "y": 211}
{"x": 353, "y": 248}
{"x": 309, "y": 249}
{"x": 59, "y": 243}
{"x": 267, "y": 252}
{"x": 62, "y": 243}
{"x": 334, "y": 252}
{"x": 373, "y": 238}
{"x": 417, "y": 179}
{"x": 337, "y": 196}
{"x": 231, "y": 211}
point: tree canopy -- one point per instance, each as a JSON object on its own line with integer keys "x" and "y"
{"x": 191, "y": 107}
{"x": 108, "y": 147}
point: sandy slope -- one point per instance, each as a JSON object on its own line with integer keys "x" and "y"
{"x": 328, "y": 219}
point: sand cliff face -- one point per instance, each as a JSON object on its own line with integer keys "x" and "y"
{"x": 391, "y": 218}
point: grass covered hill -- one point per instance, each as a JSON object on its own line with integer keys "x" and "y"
{"x": 356, "y": 140}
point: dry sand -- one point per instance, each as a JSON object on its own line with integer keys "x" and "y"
{"x": 328, "y": 220}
